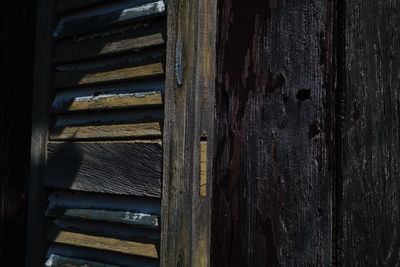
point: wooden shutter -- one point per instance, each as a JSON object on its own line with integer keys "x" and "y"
{"x": 95, "y": 188}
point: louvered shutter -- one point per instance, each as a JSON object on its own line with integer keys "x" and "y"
{"x": 97, "y": 133}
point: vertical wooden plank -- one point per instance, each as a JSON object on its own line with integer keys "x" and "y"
{"x": 272, "y": 188}
{"x": 175, "y": 207}
{"x": 176, "y": 199}
{"x": 204, "y": 135}
{"x": 370, "y": 148}
{"x": 189, "y": 105}
{"x": 35, "y": 230}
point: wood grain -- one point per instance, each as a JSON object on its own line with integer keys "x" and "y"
{"x": 107, "y": 101}
{"x": 107, "y": 15}
{"x": 120, "y": 168}
{"x": 140, "y": 58}
{"x": 127, "y": 38}
{"x": 369, "y": 186}
{"x": 85, "y": 200}
{"x": 104, "y": 243}
{"x": 190, "y": 85}
{"x": 60, "y": 261}
{"x": 110, "y": 117}
{"x": 118, "y": 231}
{"x": 117, "y": 131}
{"x": 145, "y": 123}
{"x": 176, "y": 208}
{"x": 204, "y": 97}
{"x": 272, "y": 187}
{"x": 89, "y": 167}
{"x": 96, "y": 49}
{"x": 71, "y": 79}
{"x": 103, "y": 256}
{"x": 124, "y": 217}
{"x": 102, "y": 97}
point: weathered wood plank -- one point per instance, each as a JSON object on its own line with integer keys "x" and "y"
{"x": 60, "y": 261}
{"x": 105, "y": 97}
{"x": 97, "y": 49}
{"x": 369, "y": 154}
{"x": 63, "y": 103}
{"x": 71, "y": 79}
{"x": 108, "y": 118}
{"x": 145, "y": 123}
{"x": 118, "y": 231}
{"x": 117, "y": 131}
{"x": 75, "y": 199}
{"x": 205, "y": 84}
{"x": 153, "y": 55}
{"x": 103, "y": 256}
{"x": 108, "y": 15}
{"x": 190, "y": 83}
{"x": 123, "y": 39}
{"x": 122, "y": 168}
{"x": 176, "y": 209}
{"x": 272, "y": 185}
{"x": 123, "y": 217}
{"x": 118, "y": 68}
{"x": 104, "y": 243}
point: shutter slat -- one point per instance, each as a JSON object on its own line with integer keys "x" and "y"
{"x": 154, "y": 55}
{"x": 73, "y": 199}
{"x": 123, "y": 39}
{"x": 109, "y": 118}
{"x": 59, "y": 261}
{"x": 104, "y": 243}
{"x": 119, "y": 131}
{"x": 123, "y": 217}
{"x": 131, "y": 95}
{"x": 106, "y": 16}
{"x": 118, "y": 231}
{"x": 106, "y": 101}
{"x": 146, "y": 123}
{"x": 71, "y": 79}
{"x": 119, "y": 168}
{"x": 103, "y": 256}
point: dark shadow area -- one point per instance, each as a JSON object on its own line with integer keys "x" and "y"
{"x": 17, "y": 31}
{"x": 303, "y": 95}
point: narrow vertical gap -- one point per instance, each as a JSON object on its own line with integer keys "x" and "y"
{"x": 340, "y": 43}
